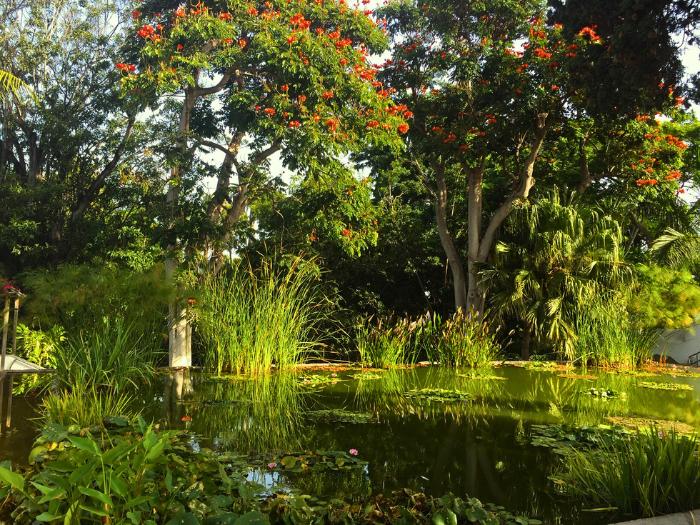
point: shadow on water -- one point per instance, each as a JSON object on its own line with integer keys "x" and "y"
{"x": 466, "y": 434}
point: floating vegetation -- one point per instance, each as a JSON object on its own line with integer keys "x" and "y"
{"x": 438, "y": 394}
{"x": 366, "y": 375}
{"x": 642, "y": 423}
{"x": 318, "y": 380}
{"x": 483, "y": 377}
{"x": 563, "y": 439}
{"x": 604, "y": 393}
{"x": 339, "y": 415}
{"x": 664, "y": 386}
{"x": 636, "y": 373}
{"x": 318, "y": 461}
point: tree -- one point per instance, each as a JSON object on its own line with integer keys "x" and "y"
{"x": 288, "y": 77}
{"x": 555, "y": 257}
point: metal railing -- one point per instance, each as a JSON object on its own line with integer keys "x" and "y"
{"x": 694, "y": 359}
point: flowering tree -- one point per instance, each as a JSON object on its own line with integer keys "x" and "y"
{"x": 263, "y": 77}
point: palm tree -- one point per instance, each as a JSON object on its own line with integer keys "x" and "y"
{"x": 11, "y": 85}
{"x": 678, "y": 249}
{"x": 557, "y": 257}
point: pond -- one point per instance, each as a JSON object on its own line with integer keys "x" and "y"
{"x": 428, "y": 429}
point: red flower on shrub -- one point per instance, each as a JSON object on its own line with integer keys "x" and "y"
{"x": 403, "y": 128}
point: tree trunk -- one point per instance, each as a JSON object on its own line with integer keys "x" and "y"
{"x": 455, "y": 261}
{"x": 475, "y": 295}
{"x": 179, "y": 331}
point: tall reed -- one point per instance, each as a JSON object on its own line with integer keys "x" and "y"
{"x": 648, "y": 474}
{"x": 385, "y": 345}
{"x": 250, "y": 321}
{"x": 466, "y": 342}
{"x": 606, "y": 337}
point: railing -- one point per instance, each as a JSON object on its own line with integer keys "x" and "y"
{"x": 694, "y": 359}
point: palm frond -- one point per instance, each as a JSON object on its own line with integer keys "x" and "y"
{"x": 11, "y": 85}
{"x": 677, "y": 248}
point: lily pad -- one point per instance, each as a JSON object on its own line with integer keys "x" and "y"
{"x": 484, "y": 377}
{"x": 318, "y": 380}
{"x": 563, "y": 439}
{"x": 367, "y": 375}
{"x": 438, "y": 394}
{"x": 604, "y": 393}
{"x": 571, "y": 375}
{"x": 642, "y": 423}
{"x": 317, "y": 461}
{"x": 665, "y": 386}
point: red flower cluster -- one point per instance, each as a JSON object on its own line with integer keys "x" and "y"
{"x": 541, "y": 52}
{"x": 676, "y": 142}
{"x": 294, "y": 124}
{"x": 226, "y": 17}
{"x": 327, "y": 95}
{"x": 403, "y": 128}
{"x": 270, "y": 112}
{"x": 373, "y": 124}
{"x": 127, "y": 68}
{"x": 299, "y": 21}
{"x": 673, "y": 175}
{"x": 148, "y": 32}
{"x": 647, "y": 182}
{"x": 136, "y": 14}
{"x": 332, "y": 124}
{"x": 590, "y": 32}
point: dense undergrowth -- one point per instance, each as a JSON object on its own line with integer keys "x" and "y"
{"x": 136, "y": 474}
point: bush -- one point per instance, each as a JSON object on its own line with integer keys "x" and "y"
{"x": 648, "y": 474}
{"x": 79, "y": 297}
{"x": 249, "y": 321}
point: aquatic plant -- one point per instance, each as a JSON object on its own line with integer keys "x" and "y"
{"x": 339, "y": 415}
{"x": 648, "y": 474}
{"x": 466, "y": 341}
{"x": 85, "y": 406}
{"x": 383, "y": 344}
{"x": 438, "y": 394}
{"x": 251, "y": 320}
{"x": 664, "y": 386}
{"x": 110, "y": 356}
{"x": 606, "y": 336}
{"x": 137, "y": 474}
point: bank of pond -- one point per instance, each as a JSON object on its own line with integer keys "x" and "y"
{"x": 345, "y": 444}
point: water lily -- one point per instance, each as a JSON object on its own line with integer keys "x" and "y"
{"x": 353, "y": 452}
{"x": 271, "y": 465}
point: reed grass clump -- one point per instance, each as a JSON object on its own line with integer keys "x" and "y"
{"x": 382, "y": 344}
{"x": 467, "y": 342}
{"x": 605, "y": 336}
{"x": 648, "y": 474}
{"x": 85, "y": 406}
{"x": 249, "y": 321}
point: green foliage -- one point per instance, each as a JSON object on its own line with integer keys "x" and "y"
{"x": 664, "y": 298}
{"x": 383, "y": 345}
{"x": 110, "y": 357}
{"x": 441, "y": 395}
{"x": 136, "y": 474}
{"x": 85, "y": 406}
{"x": 465, "y": 341}
{"x": 648, "y": 474}
{"x": 40, "y": 347}
{"x": 80, "y": 297}
{"x": 559, "y": 256}
{"x": 606, "y": 336}
{"x": 251, "y": 320}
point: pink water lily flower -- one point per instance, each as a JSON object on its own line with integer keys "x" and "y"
{"x": 271, "y": 465}
{"x": 353, "y": 452}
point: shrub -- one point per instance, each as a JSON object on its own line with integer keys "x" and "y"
{"x": 79, "y": 297}
{"x": 648, "y": 474}
{"x": 251, "y": 320}
{"x": 40, "y": 347}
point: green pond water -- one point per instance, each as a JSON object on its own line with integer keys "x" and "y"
{"x": 479, "y": 444}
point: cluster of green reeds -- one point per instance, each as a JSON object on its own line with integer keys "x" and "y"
{"x": 250, "y": 321}
{"x": 460, "y": 341}
{"x": 96, "y": 374}
{"x": 648, "y": 474}
{"x": 606, "y": 337}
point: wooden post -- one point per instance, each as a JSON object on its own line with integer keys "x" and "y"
{"x": 15, "y": 316}
{"x": 5, "y": 328}
{"x": 8, "y": 414}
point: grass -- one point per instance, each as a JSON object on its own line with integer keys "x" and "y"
{"x": 648, "y": 474}
{"x": 605, "y": 337}
{"x": 109, "y": 358}
{"x": 85, "y": 407}
{"x": 382, "y": 345}
{"x": 251, "y": 321}
{"x": 466, "y": 342}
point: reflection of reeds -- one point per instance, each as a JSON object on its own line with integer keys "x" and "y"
{"x": 249, "y": 416}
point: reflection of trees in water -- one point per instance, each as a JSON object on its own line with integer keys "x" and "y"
{"x": 248, "y": 416}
